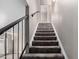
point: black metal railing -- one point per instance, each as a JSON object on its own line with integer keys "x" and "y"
{"x": 4, "y": 31}
{"x": 20, "y": 24}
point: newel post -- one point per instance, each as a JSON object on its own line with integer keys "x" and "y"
{"x": 27, "y": 26}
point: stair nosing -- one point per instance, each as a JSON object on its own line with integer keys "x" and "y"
{"x": 45, "y": 36}
{"x": 44, "y": 46}
{"x": 44, "y": 54}
{"x": 45, "y": 41}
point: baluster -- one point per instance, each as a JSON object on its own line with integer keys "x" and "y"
{"x": 5, "y": 46}
{"x": 18, "y": 42}
{"x": 13, "y": 45}
{"x": 22, "y": 34}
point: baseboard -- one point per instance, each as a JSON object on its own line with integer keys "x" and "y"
{"x": 62, "y": 48}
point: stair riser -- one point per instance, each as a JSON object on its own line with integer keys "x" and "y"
{"x": 44, "y": 31}
{"x": 40, "y": 34}
{"x": 45, "y": 38}
{"x": 44, "y": 43}
{"x": 44, "y": 26}
{"x": 44, "y": 23}
{"x": 41, "y": 28}
{"x": 43, "y": 58}
{"x": 44, "y": 50}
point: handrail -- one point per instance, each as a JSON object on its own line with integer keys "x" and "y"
{"x": 27, "y": 42}
{"x": 12, "y": 25}
{"x": 24, "y": 23}
{"x": 23, "y": 50}
{"x": 2, "y": 30}
{"x": 35, "y": 13}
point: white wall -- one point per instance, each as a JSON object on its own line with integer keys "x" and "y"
{"x": 11, "y": 10}
{"x": 33, "y": 21}
{"x": 64, "y": 18}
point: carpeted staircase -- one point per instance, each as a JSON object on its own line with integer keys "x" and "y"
{"x": 45, "y": 44}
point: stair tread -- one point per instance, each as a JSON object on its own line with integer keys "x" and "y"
{"x": 45, "y": 33}
{"x": 44, "y": 54}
